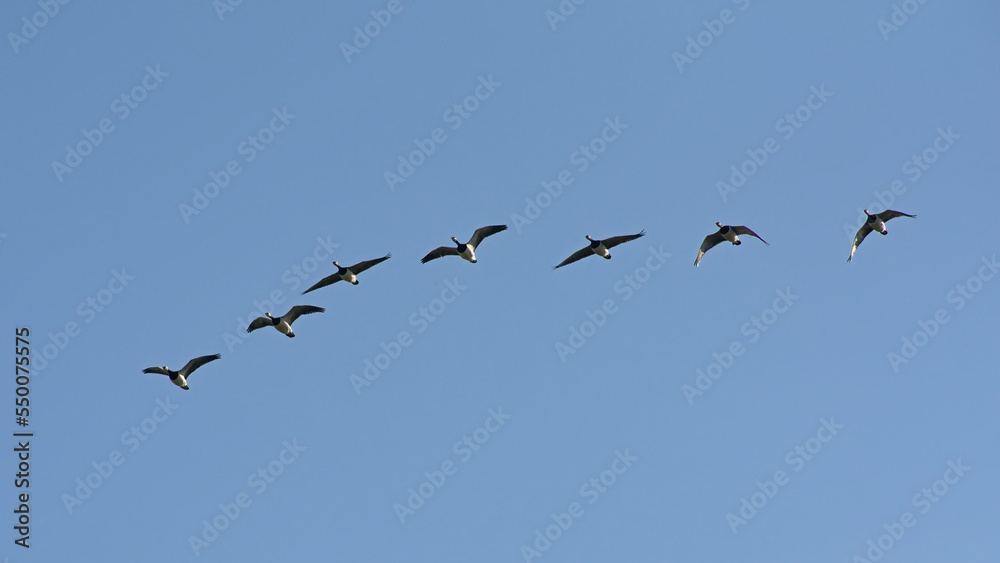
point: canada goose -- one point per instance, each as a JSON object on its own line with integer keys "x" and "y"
{"x": 180, "y": 377}
{"x": 467, "y": 250}
{"x": 725, "y": 232}
{"x": 284, "y": 322}
{"x": 347, "y": 274}
{"x": 875, "y": 222}
{"x": 599, "y": 247}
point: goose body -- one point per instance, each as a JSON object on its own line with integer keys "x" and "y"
{"x": 726, "y": 233}
{"x": 349, "y": 274}
{"x": 179, "y": 377}
{"x": 466, "y": 250}
{"x": 283, "y": 324}
{"x": 599, "y": 247}
{"x": 874, "y": 222}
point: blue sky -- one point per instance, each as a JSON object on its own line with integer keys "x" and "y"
{"x": 172, "y": 171}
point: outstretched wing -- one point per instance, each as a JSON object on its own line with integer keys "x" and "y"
{"x": 438, "y": 253}
{"x": 615, "y": 241}
{"x": 197, "y": 363}
{"x": 710, "y": 241}
{"x": 154, "y": 369}
{"x": 578, "y": 255}
{"x": 483, "y": 232}
{"x": 741, "y": 230}
{"x": 299, "y": 310}
{"x": 362, "y": 266}
{"x": 890, "y": 214}
{"x": 332, "y": 278}
{"x": 259, "y": 322}
{"x": 862, "y": 233}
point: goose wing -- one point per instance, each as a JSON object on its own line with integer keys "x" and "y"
{"x": 438, "y": 253}
{"x": 741, "y": 230}
{"x": 615, "y": 241}
{"x": 710, "y": 241}
{"x": 362, "y": 266}
{"x": 483, "y": 232}
{"x": 332, "y": 278}
{"x": 259, "y": 322}
{"x": 197, "y": 363}
{"x": 155, "y": 369}
{"x": 578, "y": 255}
{"x": 862, "y": 233}
{"x": 299, "y": 310}
{"x": 890, "y": 214}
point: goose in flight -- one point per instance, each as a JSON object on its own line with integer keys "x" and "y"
{"x": 725, "y": 232}
{"x": 875, "y": 222}
{"x": 349, "y": 274}
{"x": 284, "y": 323}
{"x": 467, "y": 250}
{"x": 599, "y": 247}
{"x": 179, "y": 377}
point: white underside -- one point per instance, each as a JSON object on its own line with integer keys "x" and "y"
{"x": 731, "y": 237}
{"x": 469, "y": 254}
{"x": 284, "y": 328}
{"x": 878, "y": 226}
{"x": 349, "y": 277}
{"x": 602, "y": 251}
{"x": 180, "y": 381}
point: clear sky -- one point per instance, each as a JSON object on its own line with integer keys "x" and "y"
{"x": 172, "y": 171}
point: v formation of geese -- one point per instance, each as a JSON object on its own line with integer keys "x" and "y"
{"x": 283, "y": 324}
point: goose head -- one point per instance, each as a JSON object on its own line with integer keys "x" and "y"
{"x": 336, "y": 264}
{"x": 718, "y": 224}
{"x": 455, "y": 240}
{"x": 868, "y": 214}
{"x": 268, "y": 315}
{"x": 588, "y": 238}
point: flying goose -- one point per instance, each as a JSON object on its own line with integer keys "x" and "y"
{"x": 284, "y": 323}
{"x": 347, "y": 274}
{"x": 875, "y": 222}
{"x": 180, "y": 377}
{"x": 599, "y": 247}
{"x": 725, "y": 232}
{"x": 467, "y": 250}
